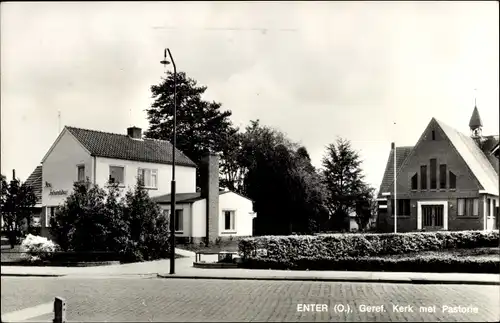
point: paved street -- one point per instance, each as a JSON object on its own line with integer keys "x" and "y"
{"x": 153, "y": 299}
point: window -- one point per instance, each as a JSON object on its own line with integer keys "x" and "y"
{"x": 403, "y": 207}
{"x": 50, "y": 212}
{"x": 442, "y": 176}
{"x": 229, "y": 220}
{"x": 179, "y": 220}
{"x": 468, "y": 207}
{"x": 488, "y": 205}
{"x": 148, "y": 177}
{"x": 433, "y": 163}
{"x": 81, "y": 173}
{"x": 423, "y": 177}
{"x": 453, "y": 181}
{"x": 116, "y": 174}
{"x": 414, "y": 182}
{"x": 433, "y": 135}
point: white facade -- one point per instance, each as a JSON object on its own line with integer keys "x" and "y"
{"x": 60, "y": 171}
{"x": 243, "y": 215}
{"x": 185, "y": 176}
{"x": 194, "y": 222}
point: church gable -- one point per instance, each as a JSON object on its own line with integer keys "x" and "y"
{"x": 435, "y": 165}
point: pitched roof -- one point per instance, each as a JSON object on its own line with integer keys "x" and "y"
{"x": 179, "y": 198}
{"x": 475, "y": 119}
{"x": 401, "y": 155}
{"x": 187, "y": 197}
{"x": 35, "y": 181}
{"x": 474, "y": 157}
{"x": 111, "y": 145}
{"x": 484, "y": 168}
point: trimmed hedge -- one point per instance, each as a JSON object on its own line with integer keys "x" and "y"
{"x": 407, "y": 264}
{"x": 291, "y": 249}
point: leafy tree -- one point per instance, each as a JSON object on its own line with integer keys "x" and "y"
{"x": 201, "y": 125}
{"x": 79, "y": 224}
{"x": 366, "y": 208}
{"x": 148, "y": 227}
{"x": 93, "y": 219}
{"x": 17, "y": 201}
{"x": 232, "y": 173}
{"x": 282, "y": 182}
{"x": 345, "y": 184}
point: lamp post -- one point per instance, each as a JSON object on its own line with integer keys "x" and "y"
{"x": 395, "y": 191}
{"x": 172, "y": 190}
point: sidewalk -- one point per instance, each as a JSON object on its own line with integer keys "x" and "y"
{"x": 338, "y": 276}
{"x": 185, "y": 270}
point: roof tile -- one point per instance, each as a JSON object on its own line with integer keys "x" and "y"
{"x": 35, "y": 181}
{"x": 111, "y": 145}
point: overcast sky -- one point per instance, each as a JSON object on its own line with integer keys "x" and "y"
{"x": 314, "y": 70}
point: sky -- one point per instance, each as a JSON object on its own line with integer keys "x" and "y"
{"x": 315, "y": 70}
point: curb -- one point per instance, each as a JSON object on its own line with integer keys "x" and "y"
{"x": 31, "y": 275}
{"x": 339, "y": 280}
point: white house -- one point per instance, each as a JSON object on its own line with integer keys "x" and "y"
{"x": 101, "y": 157}
{"x": 228, "y": 214}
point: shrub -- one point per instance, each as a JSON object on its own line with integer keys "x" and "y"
{"x": 38, "y": 248}
{"x": 288, "y": 249}
{"x": 405, "y": 264}
{"x": 93, "y": 220}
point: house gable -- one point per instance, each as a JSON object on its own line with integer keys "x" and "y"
{"x": 434, "y": 143}
{"x": 63, "y": 133}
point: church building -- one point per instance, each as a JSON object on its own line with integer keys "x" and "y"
{"x": 447, "y": 181}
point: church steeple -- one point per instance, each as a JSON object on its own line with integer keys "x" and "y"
{"x": 475, "y": 123}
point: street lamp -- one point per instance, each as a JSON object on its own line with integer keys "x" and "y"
{"x": 172, "y": 190}
{"x": 395, "y": 191}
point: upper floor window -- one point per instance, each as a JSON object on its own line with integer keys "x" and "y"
{"x": 81, "y": 173}
{"x": 229, "y": 220}
{"x": 116, "y": 174}
{"x": 468, "y": 207}
{"x": 414, "y": 182}
{"x": 433, "y": 135}
{"x": 433, "y": 163}
{"x": 148, "y": 177}
{"x": 453, "y": 181}
{"x": 423, "y": 177}
{"x": 442, "y": 176}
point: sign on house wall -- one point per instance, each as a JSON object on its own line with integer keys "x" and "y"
{"x": 58, "y": 192}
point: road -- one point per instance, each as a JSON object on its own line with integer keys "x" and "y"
{"x": 155, "y": 299}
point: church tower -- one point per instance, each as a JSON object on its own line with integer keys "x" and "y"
{"x": 476, "y": 124}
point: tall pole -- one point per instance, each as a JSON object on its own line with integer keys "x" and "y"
{"x": 172, "y": 190}
{"x": 395, "y": 192}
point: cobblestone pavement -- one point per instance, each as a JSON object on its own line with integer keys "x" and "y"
{"x": 152, "y": 299}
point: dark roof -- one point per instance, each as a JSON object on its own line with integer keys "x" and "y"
{"x": 187, "y": 197}
{"x": 179, "y": 198}
{"x": 475, "y": 119}
{"x": 35, "y": 181}
{"x": 488, "y": 143}
{"x": 401, "y": 155}
{"x": 111, "y": 145}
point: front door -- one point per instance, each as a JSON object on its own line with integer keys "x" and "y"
{"x": 432, "y": 217}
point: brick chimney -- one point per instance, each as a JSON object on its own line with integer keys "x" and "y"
{"x": 134, "y": 132}
{"x": 209, "y": 176}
